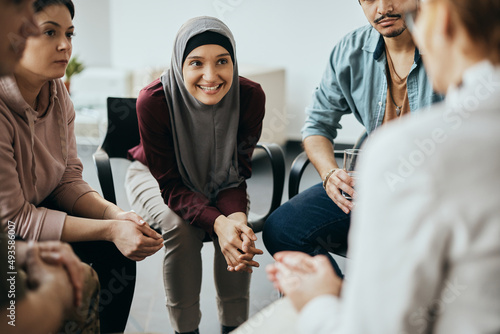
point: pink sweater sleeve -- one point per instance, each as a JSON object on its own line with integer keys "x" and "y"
{"x": 72, "y": 186}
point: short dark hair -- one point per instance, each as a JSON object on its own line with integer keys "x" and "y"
{"x": 40, "y": 5}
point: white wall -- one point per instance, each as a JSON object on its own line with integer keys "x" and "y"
{"x": 92, "y": 27}
{"x": 295, "y": 35}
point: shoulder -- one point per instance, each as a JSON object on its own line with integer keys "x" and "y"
{"x": 250, "y": 88}
{"x": 151, "y": 96}
{"x": 354, "y": 52}
{"x": 357, "y": 39}
{"x": 252, "y": 100}
{"x": 153, "y": 90}
{"x": 11, "y": 103}
{"x": 252, "y": 96}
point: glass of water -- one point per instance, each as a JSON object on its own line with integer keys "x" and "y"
{"x": 350, "y": 160}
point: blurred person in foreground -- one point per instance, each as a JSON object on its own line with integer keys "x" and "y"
{"x": 425, "y": 236}
{"x": 43, "y": 192}
{"x": 40, "y": 283}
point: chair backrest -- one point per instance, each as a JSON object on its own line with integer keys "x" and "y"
{"x": 123, "y": 131}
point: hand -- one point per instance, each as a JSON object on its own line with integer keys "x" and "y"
{"x": 59, "y": 253}
{"x": 114, "y": 212}
{"x": 248, "y": 247}
{"x": 340, "y": 180}
{"x": 56, "y": 253}
{"x": 118, "y": 214}
{"x": 303, "y": 278}
{"x": 237, "y": 242}
{"x": 135, "y": 240}
{"x": 302, "y": 259}
{"x": 246, "y": 259}
{"x": 42, "y": 275}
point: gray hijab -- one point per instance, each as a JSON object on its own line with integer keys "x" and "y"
{"x": 205, "y": 137}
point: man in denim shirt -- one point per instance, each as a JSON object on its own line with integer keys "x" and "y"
{"x": 376, "y": 73}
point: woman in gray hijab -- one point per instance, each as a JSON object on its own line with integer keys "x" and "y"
{"x": 199, "y": 125}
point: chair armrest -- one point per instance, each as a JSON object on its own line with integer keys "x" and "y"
{"x": 298, "y": 167}
{"x": 277, "y": 158}
{"x": 104, "y": 174}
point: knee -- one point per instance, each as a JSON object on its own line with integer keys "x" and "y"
{"x": 176, "y": 231}
{"x": 170, "y": 223}
{"x": 273, "y": 229}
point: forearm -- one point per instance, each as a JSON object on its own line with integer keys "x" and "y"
{"x": 93, "y": 206}
{"x": 319, "y": 150}
{"x": 83, "y": 229}
{"x": 239, "y": 216}
{"x": 222, "y": 221}
{"x": 219, "y": 223}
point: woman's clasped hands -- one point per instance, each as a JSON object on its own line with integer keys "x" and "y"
{"x": 134, "y": 237}
{"x": 237, "y": 242}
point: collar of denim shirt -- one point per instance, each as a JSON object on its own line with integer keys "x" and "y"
{"x": 376, "y": 45}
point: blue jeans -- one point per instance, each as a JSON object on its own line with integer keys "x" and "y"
{"x": 310, "y": 222}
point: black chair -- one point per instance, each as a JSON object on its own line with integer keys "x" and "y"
{"x": 123, "y": 134}
{"x": 299, "y": 165}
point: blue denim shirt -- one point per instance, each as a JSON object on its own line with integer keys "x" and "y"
{"x": 355, "y": 81}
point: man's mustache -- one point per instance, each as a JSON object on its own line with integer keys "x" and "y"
{"x": 397, "y": 16}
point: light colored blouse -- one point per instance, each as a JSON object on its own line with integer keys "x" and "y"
{"x": 425, "y": 235}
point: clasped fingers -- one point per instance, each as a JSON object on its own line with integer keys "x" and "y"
{"x": 148, "y": 245}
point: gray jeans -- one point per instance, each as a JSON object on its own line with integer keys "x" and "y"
{"x": 182, "y": 267}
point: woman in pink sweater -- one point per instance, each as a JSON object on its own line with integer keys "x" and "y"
{"x": 42, "y": 190}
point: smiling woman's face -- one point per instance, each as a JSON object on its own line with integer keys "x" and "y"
{"x": 46, "y": 56}
{"x": 208, "y": 73}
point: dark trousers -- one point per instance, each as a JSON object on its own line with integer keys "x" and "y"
{"x": 310, "y": 222}
{"x": 117, "y": 278}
